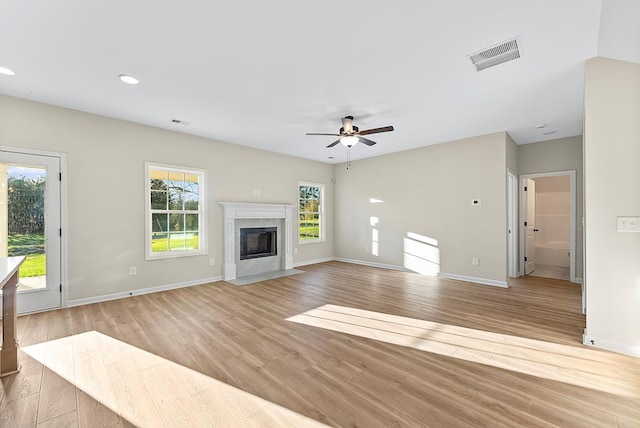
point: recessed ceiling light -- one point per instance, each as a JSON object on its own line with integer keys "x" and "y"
{"x": 541, "y": 126}
{"x": 128, "y": 79}
{"x": 330, "y": 157}
{"x": 549, "y": 133}
{"x": 6, "y": 71}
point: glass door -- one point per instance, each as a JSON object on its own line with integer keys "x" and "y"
{"x": 30, "y": 226}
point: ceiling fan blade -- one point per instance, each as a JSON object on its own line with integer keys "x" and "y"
{"x": 366, "y": 141}
{"x": 313, "y": 133}
{"x": 376, "y": 130}
{"x": 333, "y": 144}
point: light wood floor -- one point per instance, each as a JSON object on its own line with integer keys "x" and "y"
{"x": 339, "y": 345}
{"x": 547, "y": 271}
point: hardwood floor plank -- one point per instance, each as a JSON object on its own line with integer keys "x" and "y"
{"x": 134, "y": 401}
{"x": 37, "y": 329}
{"x": 21, "y": 412}
{"x": 92, "y": 413}
{"x": 67, "y": 420}
{"x": 57, "y": 397}
{"x": 92, "y": 377}
{"x": 61, "y": 324}
{"x": 371, "y": 348}
{"x": 270, "y": 417}
{"x": 264, "y": 383}
{"x": 171, "y": 399}
{"x": 24, "y": 383}
{"x": 82, "y": 320}
{"x": 219, "y": 411}
{"x": 375, "y": 415}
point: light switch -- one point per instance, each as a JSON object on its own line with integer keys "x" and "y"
{"x": 628, "y": 224}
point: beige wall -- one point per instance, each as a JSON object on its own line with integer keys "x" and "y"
{"x": 612, "y": 181}
{"x": 563, "y": 154}
{"x": 512, "y": 166}
{"x": 512, "y": 155}
{"x": 106, "y": 192}
{"x": 428, "y": 191}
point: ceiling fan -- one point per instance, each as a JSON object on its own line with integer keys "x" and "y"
{"x": 351, "y": 135}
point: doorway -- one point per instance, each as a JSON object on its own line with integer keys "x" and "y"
{"x": 547, "y": 224}
{"x": 30, "y": 225}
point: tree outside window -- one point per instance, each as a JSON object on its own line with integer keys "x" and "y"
{"x": 311, "y": 212}
{"x": 175, "y": 214}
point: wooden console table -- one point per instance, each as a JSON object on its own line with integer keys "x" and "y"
{"x": 9, "y": 284}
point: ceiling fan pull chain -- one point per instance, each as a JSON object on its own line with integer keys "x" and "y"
{"x": 348, "y": 158}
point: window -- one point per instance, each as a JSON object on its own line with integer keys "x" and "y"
{"x": 175, "y": 216}
{"x": 311, "y": 212}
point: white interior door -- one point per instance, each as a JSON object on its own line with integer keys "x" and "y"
{"x": 529, "y": 226}
{"x": 30, "y": 226}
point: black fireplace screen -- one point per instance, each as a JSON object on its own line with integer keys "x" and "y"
{"x": 258, "y": 242}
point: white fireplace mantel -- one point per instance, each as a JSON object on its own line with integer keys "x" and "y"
{"x": 233, "y": 211}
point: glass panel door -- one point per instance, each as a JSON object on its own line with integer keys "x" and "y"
{"x": 30, "y": 226}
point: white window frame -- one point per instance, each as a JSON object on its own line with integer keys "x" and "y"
{"x": 202, "y": 235}
{"x": 321, "y": 213}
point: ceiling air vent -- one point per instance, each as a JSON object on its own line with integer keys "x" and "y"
{"x": 180, "y": 122}
{"x": 496, "y": 54}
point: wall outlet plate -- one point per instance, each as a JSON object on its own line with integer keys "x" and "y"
{"x": 628, "y": 224}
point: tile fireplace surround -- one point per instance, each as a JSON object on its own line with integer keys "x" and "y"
{"x": 233, "y": 211}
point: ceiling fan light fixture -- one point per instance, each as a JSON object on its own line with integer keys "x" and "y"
{"x": 349, "y": 141}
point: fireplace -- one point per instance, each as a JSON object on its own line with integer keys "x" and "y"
{"x": 238, "y": 215}
{"x": 257, "y": 242}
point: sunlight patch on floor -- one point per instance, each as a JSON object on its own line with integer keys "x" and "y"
{"x": 582, "y": 367}
{"x": 148, "y": 390}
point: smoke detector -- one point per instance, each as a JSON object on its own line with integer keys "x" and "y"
{"x": 496, "y": 54}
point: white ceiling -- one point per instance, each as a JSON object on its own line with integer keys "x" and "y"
{"x": 262, "y": 73}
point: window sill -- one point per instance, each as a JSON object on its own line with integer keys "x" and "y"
{"x": 175, "y": 254}
{"x": 311, "y": 241}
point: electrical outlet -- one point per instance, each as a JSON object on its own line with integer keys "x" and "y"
{"x": 212, "y": 262}
{"x": 476, "y": 202}
{"x": 475, "y": 261}
{"x": 132, "y": 271}
{"x": 628, "y": 224}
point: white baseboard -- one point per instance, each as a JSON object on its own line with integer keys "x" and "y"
{"x": 372, "y": 264}
{"x": 313, "y": 262}
{"x": 483, "y": 281}
{"x": 114, "y": 296}
{"x": 608, "y": 345}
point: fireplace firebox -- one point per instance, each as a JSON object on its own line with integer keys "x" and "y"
{"x": 257, "y": 242}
